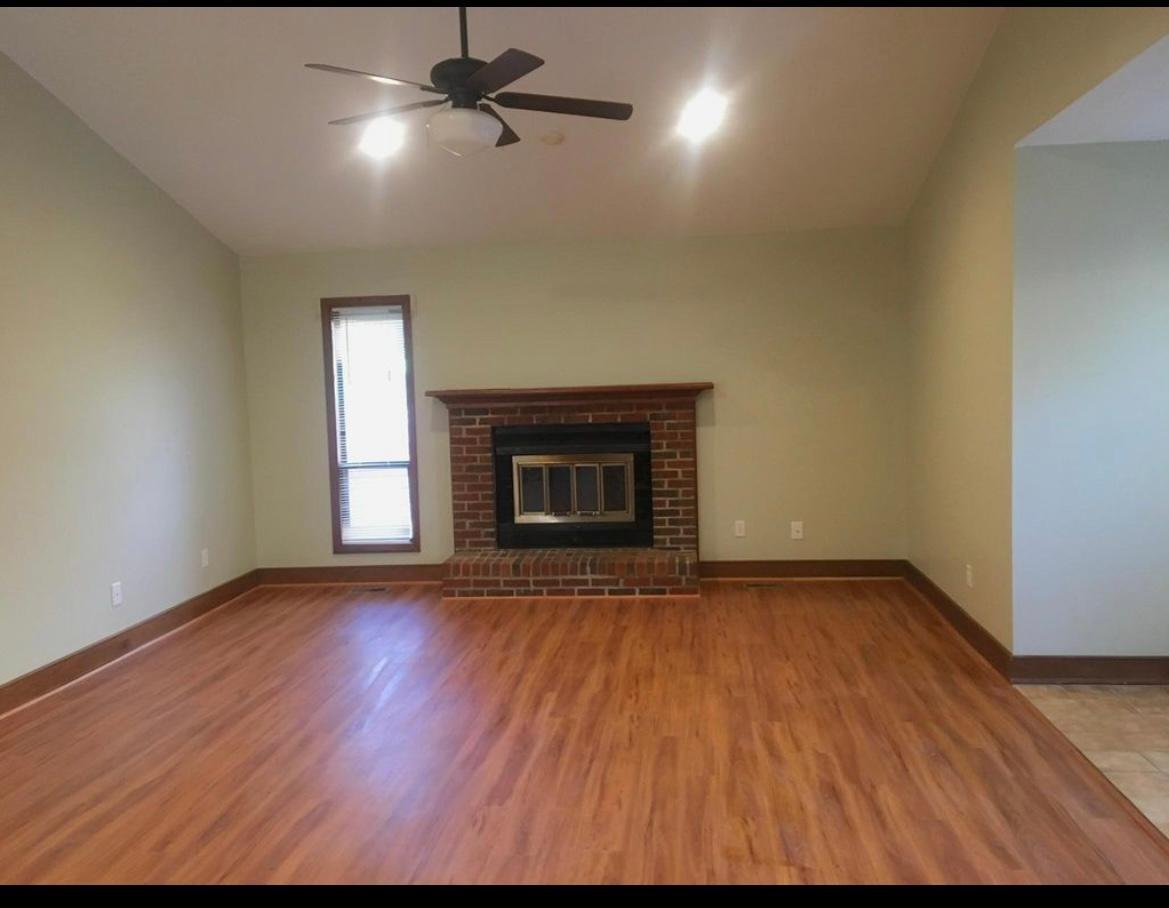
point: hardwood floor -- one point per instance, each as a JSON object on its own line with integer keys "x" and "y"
{"x": 813, "y": 731}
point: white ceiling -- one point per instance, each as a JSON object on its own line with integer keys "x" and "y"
{"x": 1131, "y": 105}
{"x": 836, "y": 115}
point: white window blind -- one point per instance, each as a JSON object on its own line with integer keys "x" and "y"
{"x": 372, "y": 424}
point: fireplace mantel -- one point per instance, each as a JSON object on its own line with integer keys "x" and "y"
{"x": 472, "y": 396}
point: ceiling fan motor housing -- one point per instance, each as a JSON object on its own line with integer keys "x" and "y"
{"x": 451, "y": 75}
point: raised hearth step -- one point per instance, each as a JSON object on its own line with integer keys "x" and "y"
{"x": 489, "y": 573}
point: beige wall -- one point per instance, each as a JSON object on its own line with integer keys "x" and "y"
{"x": 960, "y": 245}
{"x": 802, "y": 334}
{"x": 121, "y": 362}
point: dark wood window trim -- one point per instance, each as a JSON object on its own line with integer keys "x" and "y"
{"x": 352, "y": 302}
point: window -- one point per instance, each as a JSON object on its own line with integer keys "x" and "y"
{"x": 373, "y": 460}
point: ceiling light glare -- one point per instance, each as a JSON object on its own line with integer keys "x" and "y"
{"x": 382, "y": 137}
{"x": 702, "y": 115}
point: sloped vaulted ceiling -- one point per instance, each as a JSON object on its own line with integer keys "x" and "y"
{"x": 835, "y": 116}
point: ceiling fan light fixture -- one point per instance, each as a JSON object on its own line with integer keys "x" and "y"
{"x": 469, "y": 125}
{"x": 463, "y": 131}
{"x": 382, "y": 138}
{"x": 702, "y": 115}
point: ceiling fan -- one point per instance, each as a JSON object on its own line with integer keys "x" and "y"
{"x": 469, "y": 124}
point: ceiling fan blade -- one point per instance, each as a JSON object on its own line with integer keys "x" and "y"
{"x": 509, "y": 135}
{"x": 384, "y": 80}
{"x": 388, "y": 112}
{"x": 577, "y": 107}
{"x": 503, "y": 70}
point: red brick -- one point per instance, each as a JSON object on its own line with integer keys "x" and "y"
{"x": 673, "y": 466}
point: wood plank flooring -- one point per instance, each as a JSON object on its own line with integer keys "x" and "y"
{"x": 821, "y": 731}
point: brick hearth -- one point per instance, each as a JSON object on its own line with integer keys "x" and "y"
{"x": 571, "y": 572}
{"x": 478, "y": 568}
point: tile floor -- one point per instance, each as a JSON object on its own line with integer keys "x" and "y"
{"x": 1123, "y": 729}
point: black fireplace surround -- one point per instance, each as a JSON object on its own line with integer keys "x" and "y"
{"x": 578, "y": 439}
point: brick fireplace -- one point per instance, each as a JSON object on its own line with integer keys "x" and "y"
{"x": 480, "y": 568}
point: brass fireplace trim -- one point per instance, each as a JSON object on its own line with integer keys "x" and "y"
{"x": 600, "y": 461}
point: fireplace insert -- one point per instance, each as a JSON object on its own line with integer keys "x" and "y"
{"x": 570, "y": 486}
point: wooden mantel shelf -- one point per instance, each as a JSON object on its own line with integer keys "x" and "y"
{"x": 465, "y": 396}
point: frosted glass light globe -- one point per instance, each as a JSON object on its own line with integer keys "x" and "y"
{"x": 463, "y": 132}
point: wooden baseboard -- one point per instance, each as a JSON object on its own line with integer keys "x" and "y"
{"x": 826, "y": 568}
{"x": 1022, "y": 669}
{"x": 984, "y": 643}
{"x": 1090, "y": 669}
{"x": 69, "y": 668}
{"x": 1038, "y": 669}
{"x": 44, "y": 680}
{"x": 722, "y": 570}
{"x": 356, "y": 573}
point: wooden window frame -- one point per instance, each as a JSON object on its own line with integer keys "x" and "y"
{"x": 328, "y": 306}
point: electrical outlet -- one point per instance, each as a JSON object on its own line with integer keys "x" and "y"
{"x": 116, "y": 593}
{"x": 797, "y": 529}
{"x": 970, "y": 576}
{"x": 740, "y": 528}
{"x": 205, "y": 558}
